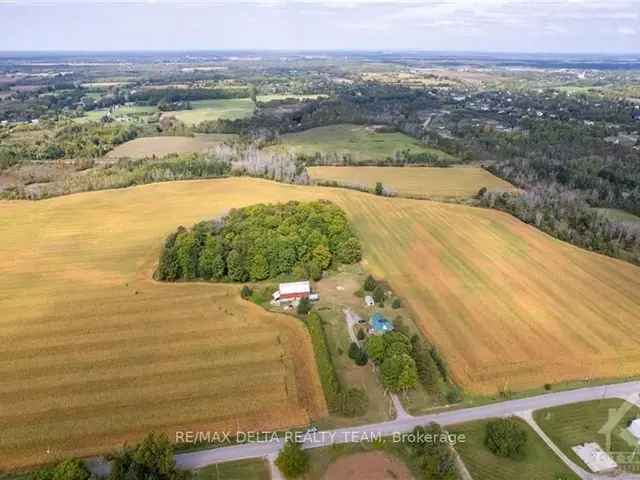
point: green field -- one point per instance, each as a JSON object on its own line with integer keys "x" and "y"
{"x": 206, "y": 110}
{"x": 227, "y": 109}
{"x": 619, "y": 215}
{"x": 540, "y": 462}
{"x": 361, "y": 142}
{"x": 415, "y": 181}
{"x": 578, "y": 423}
{"x": 241, "y": 470}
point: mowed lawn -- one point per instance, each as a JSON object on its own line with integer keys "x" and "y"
{"x": 160, "y": 146}
{"x": 540, "y": 462}
{"x": 420, "y": 181}
{"x": 578, "y": 423}
{"x": 361, "y": 142}
{"x": 95, "y": 352}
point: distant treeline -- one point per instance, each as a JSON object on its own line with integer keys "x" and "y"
{"x": 260, "y": 242}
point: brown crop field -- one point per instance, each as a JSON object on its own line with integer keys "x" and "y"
{"x": 95, "y": 353}
{"x": 161, "y": 146}
{"x": 415, "y": 181}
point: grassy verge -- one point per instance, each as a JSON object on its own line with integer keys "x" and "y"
{"x": 540, "y": 461}
{"x": 578, "y": 423}
{"x": 240, "y": 470}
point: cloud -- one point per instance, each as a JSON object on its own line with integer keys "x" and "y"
{"x": 627, "y": 31}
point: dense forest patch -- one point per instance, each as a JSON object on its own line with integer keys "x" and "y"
{"x": 260, "y": 242}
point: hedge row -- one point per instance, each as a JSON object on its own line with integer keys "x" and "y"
{"x": 328, "y": 376}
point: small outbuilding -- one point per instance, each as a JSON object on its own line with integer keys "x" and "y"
{"x": 368, "y": 301}
{"x": 379, "y": 324}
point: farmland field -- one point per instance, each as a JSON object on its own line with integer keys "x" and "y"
{"x": 228, "y": 109}
{"x": 422, "y": 181}
{"x": 160, "y": 146}
{"x": 95, "y": 352}
{"x": 362, "y": 143}
{"x": 540, "y": 461}
{"x": 578, "y": 423}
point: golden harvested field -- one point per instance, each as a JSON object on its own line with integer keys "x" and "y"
{"x": 161, "y": 146}
{"x": 94, "y": 352}
{"x": 419, "y": 181}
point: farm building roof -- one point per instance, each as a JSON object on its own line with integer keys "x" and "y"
{"x": 380, "y": 324}
{"x": 294, "y": 287}
{"x": 634, "y": 428}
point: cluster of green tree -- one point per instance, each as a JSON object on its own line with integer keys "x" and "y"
{"x": 429, "y": 449}
{"x": 349, "y": 402}
{"x": 574, "y": 155}
{"x": 406, "y": 359}
{"x": 567, "y": 215}
{"x": 36, "y": 104}
{"x": 155, "y": 96}
{"x": 377, "y": 290}
{"x": 506, "y": 437}
{"x": 153, "y": 458}
{"x": 74, "y": 140}
{"x": 292, "y": 460}
{"x": 260, "y": 242}
{"x": 70, "y": 469}
{"x": 393, "y": 352}
{"x": 357, "y": 354}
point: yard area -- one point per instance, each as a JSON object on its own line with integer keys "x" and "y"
{"x": 540, "y": 462}
{"x": 578, "y": 423}
{"x": 337, "y": 292}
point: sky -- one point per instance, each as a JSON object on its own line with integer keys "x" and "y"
{"x": 556, "y": 26}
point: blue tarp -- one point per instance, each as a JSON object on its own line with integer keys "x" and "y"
{"x": 380, "y": 324}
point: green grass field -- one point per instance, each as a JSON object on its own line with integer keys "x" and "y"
{"x": 361, "y": 142}
{"x": 619, "y": 215}
{"x": 227, "y": 109}
{"x": 429, "y": 182}
{"x": 205, "y": 110}
{"x": 241, "y": 470}
{"x": 540, "y": 462}
{"x": 578, "y": 423}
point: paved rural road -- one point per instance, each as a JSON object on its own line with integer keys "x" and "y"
{"x": 203, "y": 458}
